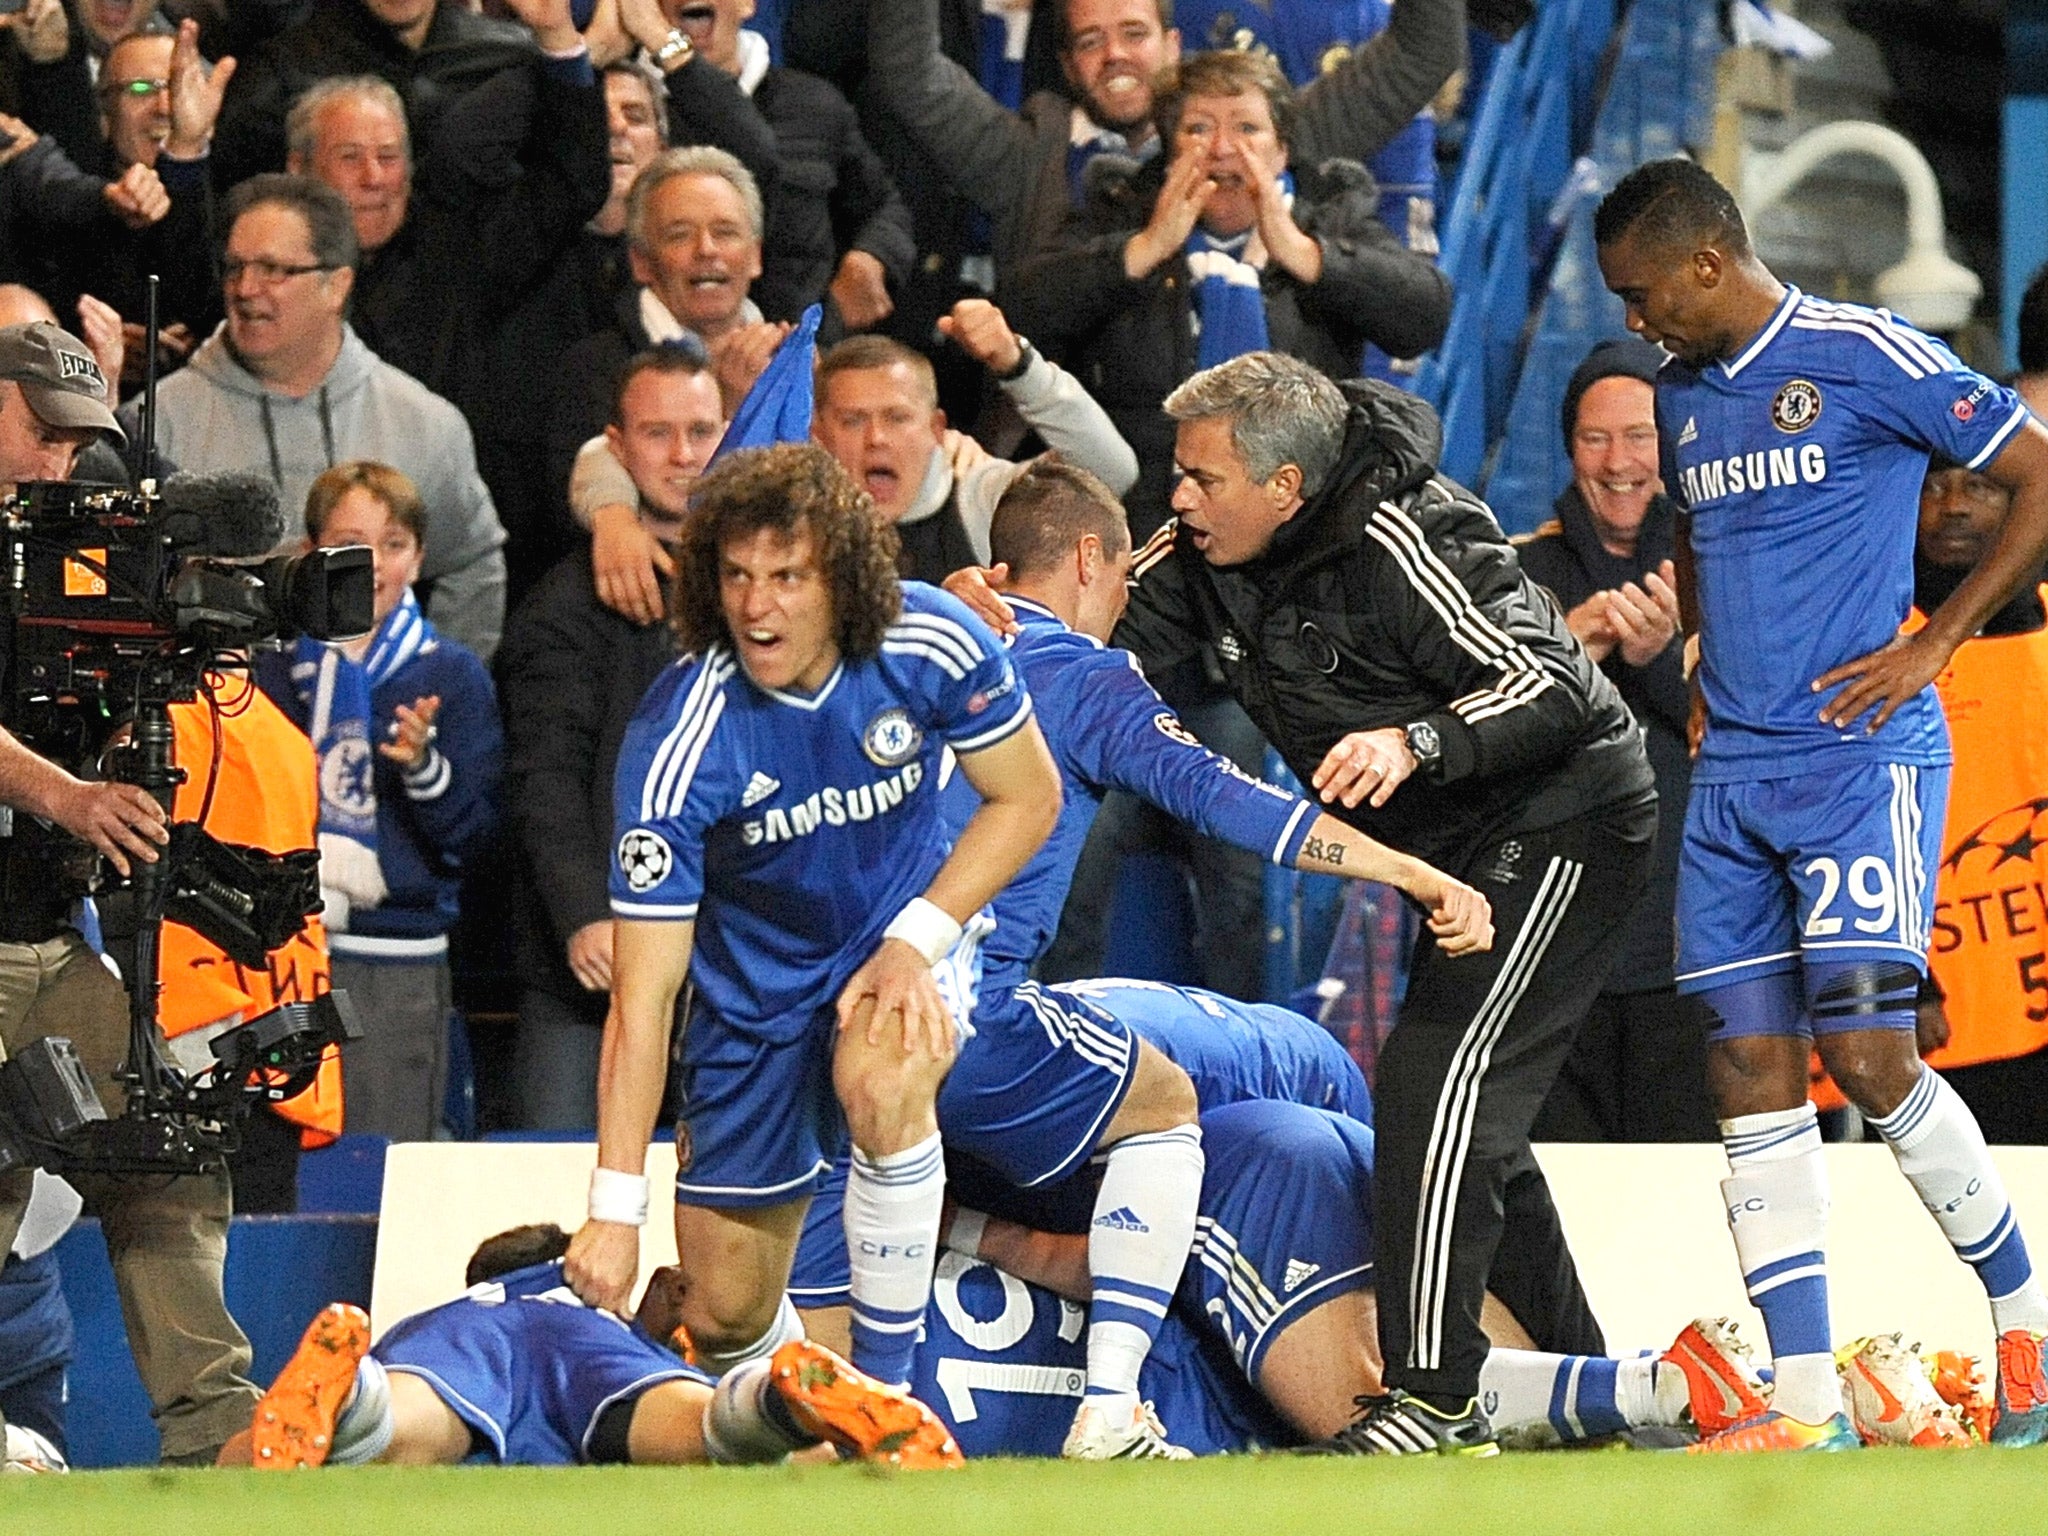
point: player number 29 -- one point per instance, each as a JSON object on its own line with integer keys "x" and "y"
{"x": 1871, "y": 887}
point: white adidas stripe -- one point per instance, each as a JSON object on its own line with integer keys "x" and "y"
{"x": 1457, "y": 1103}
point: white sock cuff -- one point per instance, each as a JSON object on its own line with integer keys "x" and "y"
{"x": 787, "y": 1326}
{"x": 363, "y": 1429}
{"x": 1775, "y": 1136}
{"x": 896, "y": 1169}
{"x": 1921, "y": 1113}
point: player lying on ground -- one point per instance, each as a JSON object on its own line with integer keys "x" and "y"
{"x": 519, "y": 1372}
{"x": 1796, "y": 436}
{"x": 1270, "y": 1337}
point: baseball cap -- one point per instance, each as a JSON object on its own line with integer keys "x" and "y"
{"x": 59, "y": 377}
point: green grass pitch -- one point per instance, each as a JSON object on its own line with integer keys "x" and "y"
{"x": 1624, "y": 1493}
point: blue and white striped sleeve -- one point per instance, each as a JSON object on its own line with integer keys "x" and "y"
{"x": 1120, "y": 733}
{"x": 967, "y": 685}
{"x": 672, "y": 785}
{"x": 1924, "y": 392}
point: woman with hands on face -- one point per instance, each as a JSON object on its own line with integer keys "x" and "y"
{"x": 1217, "y": 247}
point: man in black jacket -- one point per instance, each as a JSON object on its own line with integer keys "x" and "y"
{"x": 1371, "y": 618}
{"x": 1639, "y": 1070}
{"x": 430, "y": 53}
{"x": 573, "y": 673}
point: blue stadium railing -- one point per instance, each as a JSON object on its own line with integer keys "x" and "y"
{"x": 1548, "y": 138}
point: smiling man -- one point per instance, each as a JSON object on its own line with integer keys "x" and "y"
{"x": 1638, "y": 1072}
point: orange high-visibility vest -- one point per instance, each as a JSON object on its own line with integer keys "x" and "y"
{"x": 265, "y": 797}
{"x": 1990, "y": 949}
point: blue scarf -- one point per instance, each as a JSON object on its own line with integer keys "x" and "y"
{"x": 334, "y": 694}
{"x": 1229, "y": 306}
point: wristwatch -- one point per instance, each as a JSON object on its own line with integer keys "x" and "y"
{"x": 1025, "y": 352}
{"x": 1425, "y": 745}
{"x": 675, "y": 48}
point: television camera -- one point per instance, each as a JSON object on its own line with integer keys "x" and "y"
{"x": 120, "y": 604}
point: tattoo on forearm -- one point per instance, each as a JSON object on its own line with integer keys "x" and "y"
{"x": 1327, "y": 852}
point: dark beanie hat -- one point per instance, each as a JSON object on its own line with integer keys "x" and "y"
{"x": 1631, "y": 357}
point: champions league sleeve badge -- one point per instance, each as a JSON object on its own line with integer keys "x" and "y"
{"x": 1796, "y": 406}
{"x": 644, "y": 859}
{"x": 891, "y": 739}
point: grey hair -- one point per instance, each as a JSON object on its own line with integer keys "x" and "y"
{"x": 302, "y": 123}
{"x": 692, "y": 160}
{"x": 1281, "y": 412}
{"x": 636, "y": 66}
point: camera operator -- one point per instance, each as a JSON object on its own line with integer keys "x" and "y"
{"x": 166, "y": 1238}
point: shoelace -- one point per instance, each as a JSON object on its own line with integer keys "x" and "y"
{"x": 1367, "y": 1410}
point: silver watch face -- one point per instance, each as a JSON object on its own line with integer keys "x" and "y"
{"x": 1424, "y": 742}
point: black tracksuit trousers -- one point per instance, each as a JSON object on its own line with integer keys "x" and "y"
{"x": 1457, "y": 1196}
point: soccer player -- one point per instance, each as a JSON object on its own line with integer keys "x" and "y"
{"x": 1234, "y": 1050}
{"x": 1795, "y": 437}
{"x": 780, "y": 847}
{"x": 519, "y": 1370}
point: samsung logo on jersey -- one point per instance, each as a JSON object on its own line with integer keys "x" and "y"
{"x": 834, "y": 807}
{"x": 1764, "y": 471}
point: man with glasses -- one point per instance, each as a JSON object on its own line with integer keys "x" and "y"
{"x": 157, "y": 103}
{"x": 285, "y": 385}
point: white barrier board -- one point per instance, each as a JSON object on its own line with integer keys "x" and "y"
{"x": 1645, "y": 1223}
{"x": 442, "y": 1198}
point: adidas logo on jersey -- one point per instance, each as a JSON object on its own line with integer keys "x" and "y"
{"x": 1298, "y": 1270}
{"x": 759, "y": 788}
{"x": 1122, "y": 1219}
{"x": 1690, "y": 434}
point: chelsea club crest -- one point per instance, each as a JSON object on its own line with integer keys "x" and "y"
{"x": 891, "y": 739}
{"x": 1796, "y": 406}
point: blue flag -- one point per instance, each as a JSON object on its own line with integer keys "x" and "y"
{"x": 778, "y": 408}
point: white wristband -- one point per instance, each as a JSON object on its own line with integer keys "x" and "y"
{"x": 926, "y": 928}
{"x": 618, "y": 1197}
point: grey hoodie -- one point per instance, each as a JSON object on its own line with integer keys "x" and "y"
{"x": 214, "y": 415}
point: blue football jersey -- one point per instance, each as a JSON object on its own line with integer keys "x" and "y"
{"x": 1108, "y": 729}
{"x": 1285, "y": 1222}
{"x": 1800, "y": 462}
{"x": 792, "y": 829}
{"x": 1004, "y": 1363}
{"x": 528, "y": 1366}
{"x": 1233, "y": 1051}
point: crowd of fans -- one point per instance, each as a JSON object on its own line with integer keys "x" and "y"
{"x": 479, "y": 288}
